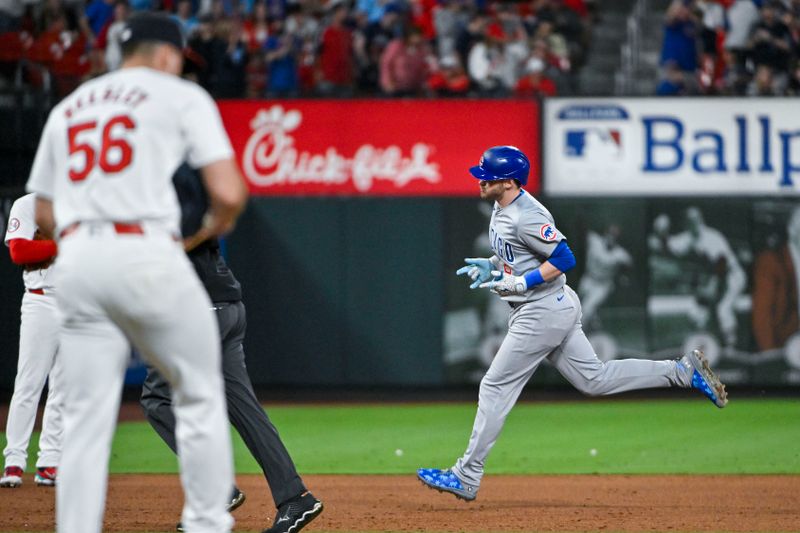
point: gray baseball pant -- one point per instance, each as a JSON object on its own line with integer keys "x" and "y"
{"x": 550, "y": 328}
{"x": 244, "y": 410}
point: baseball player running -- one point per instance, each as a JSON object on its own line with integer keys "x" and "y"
{"x": 38, "y": 346}
{"x": 527, "y": 271}
{"x": 102, "y": 176}
{"x": 296, "y": 506}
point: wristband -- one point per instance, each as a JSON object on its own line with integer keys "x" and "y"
{"x": 533, "y": 278}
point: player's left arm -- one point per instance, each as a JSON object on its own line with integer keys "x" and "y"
{"x": 32, "y": 252}
{"x": 210, "y": 151}
{"x": 26, "y": 244}
{"x": 561, "y": 260}
{"x": 543, "y": 238}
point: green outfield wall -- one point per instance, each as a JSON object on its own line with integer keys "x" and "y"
{"x": 363, "y": 292}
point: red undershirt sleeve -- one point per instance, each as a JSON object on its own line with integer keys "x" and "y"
{"x": 24, "y": 251}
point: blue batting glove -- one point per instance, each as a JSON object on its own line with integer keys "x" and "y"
{"x": 477, "y": 268}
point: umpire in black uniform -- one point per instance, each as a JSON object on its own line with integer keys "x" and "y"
{"x": 296, "y": 506}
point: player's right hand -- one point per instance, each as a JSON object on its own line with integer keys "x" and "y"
{"x": 506, "y": 284}
{"x": 479, "y": 269}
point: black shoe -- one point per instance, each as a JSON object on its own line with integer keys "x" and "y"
{"x": 237, "y": 499}
{"x": 296, "y": 514}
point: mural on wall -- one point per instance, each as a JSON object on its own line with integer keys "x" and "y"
{"x": 699, "y": 256}
{"x": 775, "y": 282}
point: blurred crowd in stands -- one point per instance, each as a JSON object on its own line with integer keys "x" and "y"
{"x": 335, "y": 48}
{"x": 731, "y": 47}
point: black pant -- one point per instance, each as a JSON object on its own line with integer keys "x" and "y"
{"x": 244, "y": 411}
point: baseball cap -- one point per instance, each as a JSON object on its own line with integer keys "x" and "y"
{"x": 146, "y": 26}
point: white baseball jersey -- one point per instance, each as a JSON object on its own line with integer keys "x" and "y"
{"x": 107, "y": 154}
{"x": 523, "y": 235}
{"x": 109, "y": 150}
{"x": 22, "y": 225}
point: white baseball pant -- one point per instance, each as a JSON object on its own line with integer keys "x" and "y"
{"x": 550, "y": 328}
{"x": 38, "y": 348}
{"x": 114, "y": 288}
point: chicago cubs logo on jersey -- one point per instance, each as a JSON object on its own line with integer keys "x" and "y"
{"x": 548, "y": 232}
{"x": 13, "y": 225}
{"x": 501, "y": 248}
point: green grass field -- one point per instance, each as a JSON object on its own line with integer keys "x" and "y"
{"x": 658, "y": 436}
{"x": 749, "y": 436}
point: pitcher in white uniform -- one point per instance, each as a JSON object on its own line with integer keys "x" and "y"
{"x": 527, "y": 271}
{"x": 38, "y": 348}
{"x": 103, "y": 183}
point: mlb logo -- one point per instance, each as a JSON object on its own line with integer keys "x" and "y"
{"x": 593, "y": 142}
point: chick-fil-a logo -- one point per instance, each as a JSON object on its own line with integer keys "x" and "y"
{"x": 271, "y": 158}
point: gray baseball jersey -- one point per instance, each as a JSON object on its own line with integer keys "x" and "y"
{"x": 523, "y": 235}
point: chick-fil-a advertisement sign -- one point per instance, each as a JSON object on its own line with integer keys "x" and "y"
{"x": 376, "y": 147}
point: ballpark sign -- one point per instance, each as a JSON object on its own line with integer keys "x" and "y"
{"x": 665, "y": 146}
{"x": 380, "y": 148}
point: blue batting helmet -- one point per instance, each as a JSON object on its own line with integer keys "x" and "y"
{"x": 503, "y": 163}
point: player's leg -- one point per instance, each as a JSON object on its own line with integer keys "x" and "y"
{"x": 35, "y": 362}
{"x": 93, "y": 355}
{"x": 156, "y": 401}
{"x": 534, "y": 331}
{"x": 166, "y": 313}
{"x": 577, "y": 361}
{"x": 50, "y": 440}
{"x": 248, "y": 416}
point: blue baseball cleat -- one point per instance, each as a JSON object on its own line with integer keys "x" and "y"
{"x": 447, "y": 481}
{"x": 704, "y": 379}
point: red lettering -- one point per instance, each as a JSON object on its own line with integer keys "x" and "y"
{"x": 75, "y": 147}
{"x": 108, "y": 143}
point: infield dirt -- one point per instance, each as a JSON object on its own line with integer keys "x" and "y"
{"x": 506, "y": 503}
